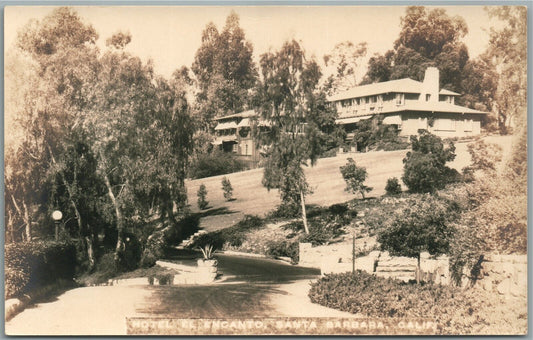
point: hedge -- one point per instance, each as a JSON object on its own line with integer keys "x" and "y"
{"x": 33, "y": 265}
{"x": 456, "y": 311}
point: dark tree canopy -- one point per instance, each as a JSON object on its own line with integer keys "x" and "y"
{"x": 425, "y": 167}
{"x": 432, "y": 38}
{"x": 224, "y": 69}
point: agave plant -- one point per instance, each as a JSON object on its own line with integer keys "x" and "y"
{"x": 207, "y": 251}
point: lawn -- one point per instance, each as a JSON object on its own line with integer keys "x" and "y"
{"x": 325, "y": 179}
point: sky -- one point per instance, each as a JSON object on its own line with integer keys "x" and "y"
{"x": 170, "y": 36}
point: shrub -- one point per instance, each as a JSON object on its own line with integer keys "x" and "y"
{"x": 458, "y": 312}
{"x": 283, "y": 248}
{"x": 33, "y": 265}
{"x": 324, "y": 228}
{"x": 485, "y": 156}
{"x": 233, "y": 235}
{"x": 355, "y": 177}
{"x": 214, "y": 164}
{"x": 424, "y": 166}
{"x": 131, "y": 256}
{"x": 148, "y": 259}
{"x": 284, "y": 211}
{"x": 227, "y": 188}
{"x": 202, "y": 195}
{"x": 393, "y": 186}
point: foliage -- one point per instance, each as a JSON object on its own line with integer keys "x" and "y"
{"x": 484, "y": 156}
{"x": 508, "y": 52}
{"x": 355, "y": 177}
{"x": 202, "y": 195}
{"x": 284, "y": 248}
{"x": 227, "y": 188}
{"x": 284, "y": 211}
{"x": 33, "y": 265}
{"x": 433, "y": 38}
{"x": 323, "y": 230}
{"x": 425, "y": 167}
{"x": 393, "y": 186}
{"x": 213, "y": 164}
{"x": 165, "y": 236}
{"x": 207, "y": 251}
{"x": 289, "y": 98}
{"x": 233, "y": 235}
{"x": 346, "y": 58}
{"x": 425, "y": 225}
{"x": 371, "y": 134}
{"x": 224, "y": 68}
{"x": 458, "y": 311}
{"x": 107, "y": 142}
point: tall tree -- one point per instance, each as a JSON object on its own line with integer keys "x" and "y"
{"x": 224, "y": 69}
{"x": 292, "y": 103}
{"x": 508, "y": 52}
{"x": 141, "y": 135}
{"x": 63, "y": 54}
{"x": 346, "y": 58}
{"x": 432, "y": 38}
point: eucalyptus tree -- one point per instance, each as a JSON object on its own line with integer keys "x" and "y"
{"x": 224, "y": 69}
{"x": 62, "y": 59}
{"x": 294, "y": 108}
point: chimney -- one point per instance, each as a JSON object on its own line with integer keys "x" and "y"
{"x": 430, "y": 86}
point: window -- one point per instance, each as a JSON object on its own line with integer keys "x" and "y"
{"x": 428, "y": 97}
{"x": 246, "y": 152}
{"x": 445, "y": 124}
{"x": 399, "y": 98}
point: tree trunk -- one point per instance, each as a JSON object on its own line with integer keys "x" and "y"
{"x": 10, "y": 228}
{"x": 120, "y": 223}
{"x": 418, "y": 270}
{"x": 304, "y": 214}
{"x": 90, "y": 251}
{"x": 27, "y": 221}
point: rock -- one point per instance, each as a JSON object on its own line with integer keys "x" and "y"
{"x": 504, "y": 287}
{"x": 487, "y": 285}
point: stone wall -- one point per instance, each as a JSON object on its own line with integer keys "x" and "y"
{"x": 338, "y": 259}
{"x": 503, "y": 274}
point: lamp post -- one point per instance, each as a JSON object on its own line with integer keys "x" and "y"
{"x": 57, "y": 216}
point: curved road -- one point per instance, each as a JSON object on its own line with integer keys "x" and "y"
{"x": 249, "y": 287}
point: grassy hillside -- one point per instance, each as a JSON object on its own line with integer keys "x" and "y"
{"x": 325, "y": 179}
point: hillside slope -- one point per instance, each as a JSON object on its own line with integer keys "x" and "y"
{"x": 325, "y": 179}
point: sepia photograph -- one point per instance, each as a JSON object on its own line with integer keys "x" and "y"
{"x": 265, "y": 170}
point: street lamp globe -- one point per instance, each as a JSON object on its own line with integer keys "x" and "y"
{"x": 57, "y": 215}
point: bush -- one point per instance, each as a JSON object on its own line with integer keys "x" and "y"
{"x": 324, "y": 228}
{"x": 227, "y": 188}
{"x": 424, "y": 166}
{"x": 458, "y": 312}
{"x": 283, "y": 248}
{"x": 393, "y": 186}
{"x": 202, "y": 195}
{"x": 284, "y": 211}
{"x": 234, "y": 235}
{"x": 148, "y": 259}
{"x": 214, "y": 164}
{"x": 33, "y": 265}
{"x": 131, "y": 256}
